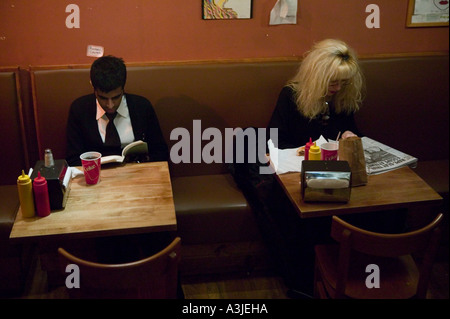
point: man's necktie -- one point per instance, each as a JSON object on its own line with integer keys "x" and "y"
{"x": 112, "y": 138}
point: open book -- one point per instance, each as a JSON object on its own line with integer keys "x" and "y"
{"x": 136, "y": 147}
{"x": 381, "y": 158}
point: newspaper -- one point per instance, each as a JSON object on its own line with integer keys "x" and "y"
{"x": 381, "y": 158}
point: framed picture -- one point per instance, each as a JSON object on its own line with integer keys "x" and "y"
{"x": 226, "y": 9}
{"x": 427, "y": 13}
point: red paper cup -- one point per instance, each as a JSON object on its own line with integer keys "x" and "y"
{"x": 329, "y": 151}
{"x": 91, "y": 166}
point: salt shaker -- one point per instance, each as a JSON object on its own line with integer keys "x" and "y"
{"x": 48, "y": 158}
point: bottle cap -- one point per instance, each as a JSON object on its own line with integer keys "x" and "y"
{"x": 23, "y": 179}
{"x": 314, "y": 148}
{"x": 309, "y": 143}
{"x": 39, "y": 180}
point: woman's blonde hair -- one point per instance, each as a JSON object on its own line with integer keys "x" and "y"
{"x": 329, "y": 60}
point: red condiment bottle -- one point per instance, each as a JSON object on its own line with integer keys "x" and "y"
{"x": 41, "y": 198}
{"x": 307, "y": 146}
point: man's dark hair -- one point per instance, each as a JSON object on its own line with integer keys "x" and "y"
{"x": 108, "y": 73}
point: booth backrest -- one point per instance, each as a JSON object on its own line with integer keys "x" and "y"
{"x": 221, "y": 95}
{"x": 12, "y": 138}
{"x": 406, "y": 105}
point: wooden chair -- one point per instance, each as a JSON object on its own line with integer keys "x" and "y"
{"x": 351, "y": 268}
{"x": 154, "y": 277}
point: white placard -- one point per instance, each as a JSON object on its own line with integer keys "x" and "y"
{"x": 284, "y": 12}
{"x": 95, "y": 51}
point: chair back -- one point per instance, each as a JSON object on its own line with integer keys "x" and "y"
{"x": 154, "y": 277}
{"x": 424, "y": 240}
{"x": 385, "y": 245}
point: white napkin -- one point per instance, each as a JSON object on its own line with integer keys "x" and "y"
{"x": 286, "y": 160}
{"x": 75, "y": 172}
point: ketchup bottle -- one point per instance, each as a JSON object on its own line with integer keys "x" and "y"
{"x": 307, "y": 147}
{"x": 25, "y": 189}
{"x": 41, "y": 198}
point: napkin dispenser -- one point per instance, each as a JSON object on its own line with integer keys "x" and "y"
{"x": 58, "y": 179}
{"x": 325, "y": 181}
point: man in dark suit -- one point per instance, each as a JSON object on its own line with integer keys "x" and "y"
{"x": 89, "y": 128}
{"x": 91, "y": 117}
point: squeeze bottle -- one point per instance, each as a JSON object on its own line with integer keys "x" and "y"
{"x": 314, "y": 152}
{"x": 25, "y": 190}
{"x": 307, "y": 147}
{"x": 42, "y": 201}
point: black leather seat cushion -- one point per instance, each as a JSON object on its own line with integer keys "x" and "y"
{"x": 212, "y": 209}
{"x": 435, "y": 173}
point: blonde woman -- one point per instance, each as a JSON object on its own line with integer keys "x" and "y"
{"x": 322, "y": 97}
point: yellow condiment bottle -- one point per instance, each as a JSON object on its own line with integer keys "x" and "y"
{"x": 314, "y": 152}
{"x": 25, "y": 189}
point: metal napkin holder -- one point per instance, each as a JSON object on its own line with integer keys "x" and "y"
{"x": 58, "y": 178}
{"x": 325, "y": 181}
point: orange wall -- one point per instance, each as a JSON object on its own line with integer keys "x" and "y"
{"x": 33, "y": 32}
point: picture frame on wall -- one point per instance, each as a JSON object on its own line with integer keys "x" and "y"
{"x": 427, "y": 13}
{"x": 226, "y": 9}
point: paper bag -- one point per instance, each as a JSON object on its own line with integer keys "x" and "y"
{"x": 351, "y": 150}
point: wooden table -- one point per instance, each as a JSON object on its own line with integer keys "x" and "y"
{"x": 129, "y": 199}
{"x": 401, "y": 188}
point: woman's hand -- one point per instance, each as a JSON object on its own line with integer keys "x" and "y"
{"x": 348, "y": 134}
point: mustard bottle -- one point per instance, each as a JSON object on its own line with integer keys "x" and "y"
{"x": 314, "y": 152}
{"x": 25, "y": 189}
